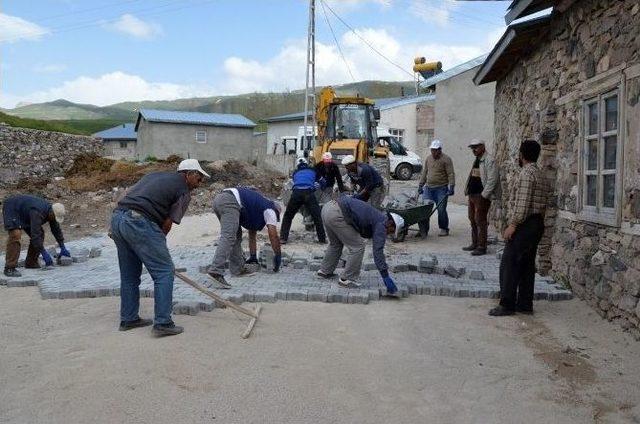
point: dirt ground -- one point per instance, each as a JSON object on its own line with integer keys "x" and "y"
{"x": 422, "y": 359}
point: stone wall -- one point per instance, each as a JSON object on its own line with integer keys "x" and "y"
{"x": 27, "y": 153}
{"x": 589, "y": 49}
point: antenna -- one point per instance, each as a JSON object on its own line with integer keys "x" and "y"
{"x": 310, "y": 74}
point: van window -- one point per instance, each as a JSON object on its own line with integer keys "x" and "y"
{"x": 397, "y": 148}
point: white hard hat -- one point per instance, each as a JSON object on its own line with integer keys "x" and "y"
{"x": 59, "y": 212}
{"x": 349, "y": 159}
{"x": 192, "y": 165}
{"x": 399, "y": 221}
{"x": 327, "y": 157}
{"x": 476, "y": 142}
{"x": 302, "y": 160}
{"x": 436, "y": 144}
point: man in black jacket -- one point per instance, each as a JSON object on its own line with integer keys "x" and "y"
{"x": 28, "y": 213}
{"x": 327, "y": 175}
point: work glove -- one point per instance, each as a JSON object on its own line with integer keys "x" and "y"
{"x": 316, "y": 185}
{"x": 64, "y": 251}
{"x": 420, "y": 190}
{"x": 391, "y": 286}
{"x": 277, "y": 261}
{"x": 253, "y": 259}
{"x": 451, "y": 190}
{"x": 47, "y": 258}
{"x": 323, "y": 183}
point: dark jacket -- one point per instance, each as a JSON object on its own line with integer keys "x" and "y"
{"x": 30, "y": 213}
{"x": 370, "y": 223}
{"x": 366, "y": 178}
{"x": 330, "y": 175}
{"x": 304, "y": 179}
{"x": 253, "y": 206}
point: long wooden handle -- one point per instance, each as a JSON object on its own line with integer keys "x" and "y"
{"x": 215, "y": 296}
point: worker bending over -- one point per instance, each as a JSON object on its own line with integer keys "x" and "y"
{"x": 367, "y": 181}
{"x": 239, "y": 208}
{"x": 349, "y": 221}
{"x": 327, "y": 175}
{"x": 27, "y": 213}
{"x": 303, "y": 194}
{"x": 139, "y": 226}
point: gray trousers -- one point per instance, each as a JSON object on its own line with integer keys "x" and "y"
{"x": 376, "y": 197}
{"x": 341, "y": 234}
{"x": 227, "y": 209}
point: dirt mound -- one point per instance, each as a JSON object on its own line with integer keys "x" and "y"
{"x": 89, "y": 164}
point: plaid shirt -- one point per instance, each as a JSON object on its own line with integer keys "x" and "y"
{"x": 530, "y": 195}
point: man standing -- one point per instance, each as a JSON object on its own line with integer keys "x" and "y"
{"x": 238, "y": 208}
{"x": 139, "y": 226}
{"x": 481, "y": 187}
{"x": 367, "y": 181}
{"x": 303, "y": 194}
{"x": 327, "y": 175}
{"x": 440, "y": 179}
{"x": 349, "y": 221}
{"x": 27, "y": 213}
{"x": 526, "y": 225}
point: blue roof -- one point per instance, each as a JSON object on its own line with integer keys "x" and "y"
{"x": 121, "y": 132}
{"x": 456, "y": 70}
{"x": 382, "y": 104}
{"x": 195, "y": 118}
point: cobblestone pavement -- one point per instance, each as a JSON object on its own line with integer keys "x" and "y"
{"x": 95, "y": 274}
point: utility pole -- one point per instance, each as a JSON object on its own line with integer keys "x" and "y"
{"x": 310, "y": 92}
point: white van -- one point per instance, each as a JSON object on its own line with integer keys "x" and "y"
{"x": 403, "y": 163}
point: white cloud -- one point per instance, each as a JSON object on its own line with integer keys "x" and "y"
{"x": 286, "y": 69}
{"x": 51, "y": 68}
{"x": 135, "y": 27}
{"x": 433, "y": 11}
{"x": 494, "y": 36}
{"x": 107, "y": 89}
{"x": 13, "y": 29}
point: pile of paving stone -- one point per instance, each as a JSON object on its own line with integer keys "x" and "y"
{"x": 406, "y": 200}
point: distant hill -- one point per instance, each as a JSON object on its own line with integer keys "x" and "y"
{"x": 255, "y": 106}
{"x": 83, "y": 127}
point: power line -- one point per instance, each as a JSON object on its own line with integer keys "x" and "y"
{"x": 326, "y": 18}
{"x": 365, "y": 41}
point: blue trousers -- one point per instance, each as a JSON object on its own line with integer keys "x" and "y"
{"x": 436, "y": 194}
{"x": 141, "y": 241}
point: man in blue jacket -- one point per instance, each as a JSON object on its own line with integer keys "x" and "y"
{"x": 29, "y": 213}
{"x": 303, "y": 194}
{"x": 367, "y": 181}
{"x": 349, "y": 221}
{"x": 239, "y": 208}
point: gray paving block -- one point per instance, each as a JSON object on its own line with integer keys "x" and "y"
{"x": 359, "y": 297}
{"x": 314, "y": 266}
{"x": 316, "y": 296}
{"x": 21, "y": 283}
{"x": 369, "y": 266}
{"x": 186, "y": 308}
{"x": 476, "y": 275}
{"x": 264, "y": 296}
{"x": 64, "y": 261}
{"x": 297, "y": 295}
{"x": 95, "y": 252}
{"x": 453, "y": 271}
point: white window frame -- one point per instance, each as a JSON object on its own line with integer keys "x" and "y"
{"x": 200, "y": 140}
{"x": 599, "y": 213}
{"x": 398, "y": 134}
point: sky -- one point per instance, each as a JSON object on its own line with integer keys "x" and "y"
{"x": 108, "y": 51}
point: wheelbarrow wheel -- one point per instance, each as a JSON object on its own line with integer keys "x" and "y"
{"x": 403, "y": 234}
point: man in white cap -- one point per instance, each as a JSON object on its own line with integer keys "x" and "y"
{"x": 482, "y": 186}
{"x": 327, "y": 175}
{"x": 349, "y": 222}
{"x": 440, "y": 180}
{"x": 28, "y": 213}
{"x": 367, "y": 181}
{"x": 238, "y": 208}
{"x": 139, "y": 225}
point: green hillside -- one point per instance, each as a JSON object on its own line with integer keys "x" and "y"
{"x": 82, "y": 127}
{"x": 255, "y": 106}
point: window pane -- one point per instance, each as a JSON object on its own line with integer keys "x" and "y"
{"x": 610, "y": 145}
{"x": 592, "y": 119}
{"x": 608, "y": 190}
{"x": 591, "y": 190}
{"x": 592, "y": 154}
{"x": 611, "y": 112}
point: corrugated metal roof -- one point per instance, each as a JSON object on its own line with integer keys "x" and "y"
{"x": 456, "y": 70}
{"x": 195, "y": 118}
{"x": 382, "y": 104}
{"x": 121, "y": 132}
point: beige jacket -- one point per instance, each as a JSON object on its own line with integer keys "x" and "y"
{"x": 438, "y": 172}
{"x": 490, "y": 177}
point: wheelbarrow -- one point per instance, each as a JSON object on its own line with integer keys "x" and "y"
{"x": 415, "y": 215}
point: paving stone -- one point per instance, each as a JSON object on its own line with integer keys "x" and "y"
{"x": 297, "y": 295}
{"x": 476, "y": 275}
{"x": 315, "y": 266}
{"x": 79, "y": 259}
{"x": 369, "y": 266}
{"x": 453, "y": 271}
{"x": 95, "y": 252}
{"x": 64, "y": 261}
{"x": 316, "y": 296}
{"x": 186, "y": 308}
{"x": 298, "y": 264}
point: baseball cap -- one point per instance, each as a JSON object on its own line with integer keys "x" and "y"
{"x": 192, "y": 165}
{"x": 349, "y": 159}
{"x": 476, "y": 142}
{"x": 436, "y": 144}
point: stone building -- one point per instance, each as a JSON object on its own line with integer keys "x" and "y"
{"x": 203, "y": 136}
{"x": 119, "y": 142}
{"x": 463, "y": 111}
{"x": 571, "y": 80}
